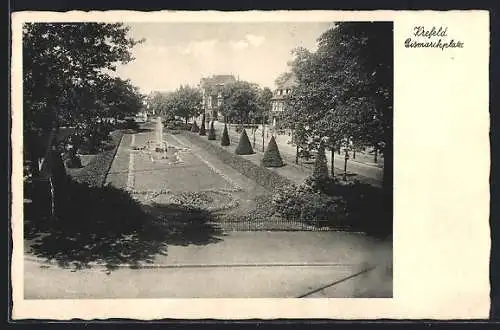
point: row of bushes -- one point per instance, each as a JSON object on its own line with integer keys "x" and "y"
{"x": 94, "y": 174}
{"x": 259, "y": 174}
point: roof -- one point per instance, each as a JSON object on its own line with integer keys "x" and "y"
{"x": 218, "y": 79}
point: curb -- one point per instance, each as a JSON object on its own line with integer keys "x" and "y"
{"x": 186, "y": 265}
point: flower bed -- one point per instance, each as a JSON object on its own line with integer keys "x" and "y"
{"x": 94, "y": 174}
{"x": 210, "y": 200}
{"x": 263, "y": 176}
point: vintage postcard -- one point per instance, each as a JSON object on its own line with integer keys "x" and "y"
{"x": 263, "y": 165}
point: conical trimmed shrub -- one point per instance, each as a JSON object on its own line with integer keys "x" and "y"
{"x": 319, "y": 179}
{"x": 320, "y": 171}
{"x": 272, "y": 157}
{"x": 211, "y": 132}
{"x": 244, "y": 147}
{"x": 202, "y": 128}
{"x": 224, "y": 141}
{"x": 194, "y": 127}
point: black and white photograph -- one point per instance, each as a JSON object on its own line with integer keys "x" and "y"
{"x": 219, "y": 160}
{"x": 182, "y": 159}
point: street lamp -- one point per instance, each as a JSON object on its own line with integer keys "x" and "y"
{"x": 251, "y": 115}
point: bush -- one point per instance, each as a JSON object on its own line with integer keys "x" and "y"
{"x": 194, "y": 127}
{"x": 202, "y": 128}
{"x": 72, "y": 160}
{"x": 131, "y": 124}
{"x": 354, "y": 206}
{"x": 272, "y": 157}
{"x": 244, "y": 147}
{"x": 301, "y": 202}
{"x": 320, "y": 170}
{"x": 357, "y": 206}
{"x": 211, "y": 132}
{"x": 224, "y": 141}
{"x": 178, "y": 125}
{"x": 366, "y": 208}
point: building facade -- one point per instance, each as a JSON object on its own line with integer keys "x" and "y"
{"x": 211, "y": 89}
{"x": 278, "y": 101}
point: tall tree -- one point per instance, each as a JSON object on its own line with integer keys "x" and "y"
{"x": 187, "y": 102}
{"x": 119, "y": 98}
{"x": 345, "y": 88}
{"x": 239, "y": 99}
{"x": 264, "y": 100}
{"x": 62, "y": 64}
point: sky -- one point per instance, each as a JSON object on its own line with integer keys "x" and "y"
{"x": 183, "y": 53}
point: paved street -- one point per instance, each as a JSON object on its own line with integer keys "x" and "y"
{"x": 232, "y": 263}
{"x": 242, "y": 264}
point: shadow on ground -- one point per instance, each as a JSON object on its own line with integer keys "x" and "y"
{"x": 106, "y": 226}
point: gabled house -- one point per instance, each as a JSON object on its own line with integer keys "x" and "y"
{"x": 278, "y": 100}
{"x": 211, "y": 88}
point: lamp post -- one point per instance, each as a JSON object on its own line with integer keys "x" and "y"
{"x": 263, "y": 123}
{"x": 251, "y": 115}
{"x": 345, "y": 164}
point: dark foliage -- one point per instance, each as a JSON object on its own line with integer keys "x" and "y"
{"x": 272, "y": 157}
{"x": 320, "y": 170}
{"x": 72, "y": 160}
{"x": 244, "y": 147}
{"x": 202, "y": 128}
{"x": 194, "y": 127}
{"x": 211, "y": 132}
{"x": 350, "y": 206}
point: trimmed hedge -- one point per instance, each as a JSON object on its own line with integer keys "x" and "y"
{"x": 94, "y": 174}
{"x": 263, "y": 176}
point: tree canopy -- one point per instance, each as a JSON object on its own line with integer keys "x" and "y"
{"x": 244, "y": 101}
{"x": 184, "y": 102}
{"x": 65, "y": 65}
{"x": 344, "y": 89}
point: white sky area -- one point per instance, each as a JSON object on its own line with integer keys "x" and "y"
{"x": 183, "y": 53}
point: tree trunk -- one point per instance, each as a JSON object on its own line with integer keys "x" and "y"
{"x": 387, "y": 188}
{"x": 332, "y": 161}
{"x": 297, "y": 155}
{"x": 354, "y": 154}
{"x": 375, "y": 154}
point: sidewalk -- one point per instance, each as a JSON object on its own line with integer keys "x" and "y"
{"x": 362, "y": 157}
{"x": 298, "y": 172}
